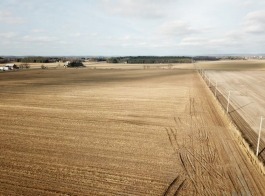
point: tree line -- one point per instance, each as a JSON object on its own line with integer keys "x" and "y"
{"x": 150, "y": 59}
{"x": 38, "y": 60}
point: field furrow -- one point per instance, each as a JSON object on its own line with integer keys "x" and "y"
{"x": 118, "y": 132}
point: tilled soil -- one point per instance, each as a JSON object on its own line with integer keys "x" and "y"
{"x": 247, "y": 102}
{"x": 117, "y": 132}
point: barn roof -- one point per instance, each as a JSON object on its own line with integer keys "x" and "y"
{"x": 9, "y": 65}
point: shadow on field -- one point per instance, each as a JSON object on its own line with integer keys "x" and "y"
{"x": 239, "y": 108}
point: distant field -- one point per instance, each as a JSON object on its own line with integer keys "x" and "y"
{"x": 139, "y": 66}
{"x": 248, "y": 94}
{"x": 216, "y": 65}
{"x": 118, "y": 132}
{"x": 38, "y": 65}
{"x": 104, "y": 65}
{"x": 236, "y": 65}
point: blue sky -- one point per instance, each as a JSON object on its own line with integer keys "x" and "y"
{"x": 131, "y": 27}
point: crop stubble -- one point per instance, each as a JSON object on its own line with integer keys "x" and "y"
{"x": 247, "y": 101}
{"x": 120, "y": 132}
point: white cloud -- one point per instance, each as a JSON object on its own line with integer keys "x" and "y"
{"x": 8, "y": 18}
{"x": 75, "y": 34}
{"x": 147, "y": 9}
{"x": 229, "y": 40}
{"x": 177, "y": 28}
{"x": 8, "y": 35}
{"x": 37, "y": 30}
{"x": 255, "y": 22}
{"x": 39, "y": 39}
{"x": 250, "y": 3}
{"x": 246, "y": 3}
{"x": 193, "y": 41}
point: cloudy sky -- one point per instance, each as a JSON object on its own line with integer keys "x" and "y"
{"x": 131, "y": 27}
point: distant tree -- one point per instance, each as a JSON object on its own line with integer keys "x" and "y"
{"x": 4, "y": 60}
{"x": 16, "y": 67}
{"x": 150, "y": 59}
{"x": 35, "y": 60}
{"x": 75, "y": 64}
{"x": 113, "y": 60}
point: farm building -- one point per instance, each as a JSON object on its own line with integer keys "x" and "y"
{"x": 4, "y": 68}
{"x": 11, "y": 66}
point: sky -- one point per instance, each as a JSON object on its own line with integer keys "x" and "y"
{"x": 131, "y": 27}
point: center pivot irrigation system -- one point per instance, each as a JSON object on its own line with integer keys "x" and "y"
{"x": 207, "y": 80}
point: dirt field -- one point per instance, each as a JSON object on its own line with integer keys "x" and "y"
{"x": 104, "y": 65}
{"x": 117, "y": 132}
{"x": 233, "y": 65}
{"x": 247, "y": 94}
{"x": 38, "y": 65}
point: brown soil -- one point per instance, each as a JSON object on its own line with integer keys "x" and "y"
{"x": 117, "y": 132}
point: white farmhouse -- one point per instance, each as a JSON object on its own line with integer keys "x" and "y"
{"x": 5, "y": 68}
{"x": 10, "y": 66}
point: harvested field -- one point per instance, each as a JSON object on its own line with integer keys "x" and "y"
{"x": 118, "y": 132}
{"x": 104, "y": 65}
{"x": 247, "y": 96}
{"x": 38, "y": 65}
{"x": 233, "y": 65}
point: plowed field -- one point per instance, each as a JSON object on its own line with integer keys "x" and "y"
{"x": 117, "y": 132}
{"x": 244, "y": 80}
